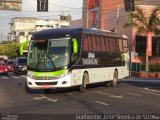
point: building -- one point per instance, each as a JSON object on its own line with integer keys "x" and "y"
{"x": 112, "y": 15}
{"x": 23, "y": 27}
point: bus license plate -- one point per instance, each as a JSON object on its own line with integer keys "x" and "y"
{"x": 46, "y": 86}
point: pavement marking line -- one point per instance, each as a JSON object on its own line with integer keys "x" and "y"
{"x": 15, "y": 77}
{"x": 148, "y": 89}
{"x": 45, "y": 98}
{"x": 133, "y": 94}
{"x": 114, "y": 96}
{"x": 39, "y": 98}
{"x": 70, "y": 94}
{"x": 49, "y": 99}
{"x": 5, "y": 77}
{"x": 101, "y": 103}
{"x": 151, "y": 93}
{"x": 24, "y": 76}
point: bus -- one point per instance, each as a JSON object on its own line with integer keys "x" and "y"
{"x": 67, "y": 57}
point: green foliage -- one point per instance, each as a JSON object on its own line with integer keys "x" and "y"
{"x": 144, "y": 24}
{"x": 10, "y": 49}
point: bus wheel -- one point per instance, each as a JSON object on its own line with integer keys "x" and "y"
{"x": 113, "y": 83}
{"x": 82, "y": 87}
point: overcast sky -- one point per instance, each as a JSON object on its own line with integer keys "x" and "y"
{"x": 29, "y": 8}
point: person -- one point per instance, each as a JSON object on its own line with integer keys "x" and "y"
{"x": 54, "y": 56}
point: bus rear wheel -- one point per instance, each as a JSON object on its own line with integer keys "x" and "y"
{"x": 113, "y": 83}
{"x": 82, "y": 87}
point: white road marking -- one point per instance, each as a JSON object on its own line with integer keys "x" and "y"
{"x": 148, "y": 89}
{"x": 15, "y": 77}
{"x": 151, "y": 93}
{"x": 101, "y": 103}
{"x": 5, "y": 77}
{"x": 114, "y": 96}
{"x": 45, "y": 98}
{"x": 50, "y": 99}
{"x": 24, "y": 76}
{"x": 39, "y": 98}
{"x": 133, "y": 94}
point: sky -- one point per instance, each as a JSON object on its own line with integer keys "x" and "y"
{"x": 29, "y": 9}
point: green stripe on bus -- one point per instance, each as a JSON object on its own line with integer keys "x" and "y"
{"x": 49, "y": 74}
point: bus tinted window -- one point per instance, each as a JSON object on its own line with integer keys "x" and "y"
{"x": 94, "y": 46}
{"x": 98, "y": 40}
{"x": 103, "y": 43}
{"x": 90, "y": 42}
{"x": 107, "y": 44}
{"x": 125, "y": 45}
{"x": 111, "y": 44}
{"x": 85, "y": 43}
{"x": 120, "y": 45}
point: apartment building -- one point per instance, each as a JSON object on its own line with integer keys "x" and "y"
{"x": 22, "y": 28}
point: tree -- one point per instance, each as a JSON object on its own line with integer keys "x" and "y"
{"x": 10, "y": 49}
{"x": 145, "y": 25}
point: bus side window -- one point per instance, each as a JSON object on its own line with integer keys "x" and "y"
{"x": 125, "y": 45}
{"x": 103, "y": 43}
{"x": 107, "y": 44}
{"x": 85, "y": 43}
{"x": 120, "y": 45}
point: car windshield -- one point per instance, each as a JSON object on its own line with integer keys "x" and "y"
{"x": 10, "y": 62}
{"x": 22, "y": 61}
{"x": 48, "y": 55}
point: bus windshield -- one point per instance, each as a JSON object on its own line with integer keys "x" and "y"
{"x": 48, "y": 55}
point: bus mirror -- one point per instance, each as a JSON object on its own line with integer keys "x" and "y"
{"x": 75, "y": 46}
{"x": 23, "y": 46}
{"x": 21, "y": 49}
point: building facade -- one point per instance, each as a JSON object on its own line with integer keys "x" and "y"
{"x": 113, "y": 14}
{"x": 22, "y": 28}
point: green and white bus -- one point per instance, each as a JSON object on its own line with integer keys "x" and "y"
{"x": 67, "y": 57}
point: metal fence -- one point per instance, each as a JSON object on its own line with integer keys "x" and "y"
{"x": 137, "y": 67}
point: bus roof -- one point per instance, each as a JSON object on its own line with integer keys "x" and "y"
{"x": 66, "y": 32}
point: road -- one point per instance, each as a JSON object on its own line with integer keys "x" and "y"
{"x": 134, "y": 96}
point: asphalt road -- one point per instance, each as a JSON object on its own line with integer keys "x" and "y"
{"x": 131, "y": 96}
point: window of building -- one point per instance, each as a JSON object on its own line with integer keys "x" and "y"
{"x": 22, "y": 33}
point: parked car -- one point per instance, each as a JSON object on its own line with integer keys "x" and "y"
{"x": 3, "y": 68}
{"x": 20, "y": 65}
{"x": 10, "y": 65}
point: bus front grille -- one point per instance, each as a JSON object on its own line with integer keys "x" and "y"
{"x": 46, "y": 83}
{"x": 45, "y": 78}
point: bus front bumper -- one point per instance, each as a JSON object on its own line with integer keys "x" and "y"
{"x": 62, "y": 82}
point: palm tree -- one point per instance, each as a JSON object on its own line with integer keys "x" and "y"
{"x": 145, "y": 25}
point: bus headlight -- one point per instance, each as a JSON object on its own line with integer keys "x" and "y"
{"x": 30, "y": 74}
{"x": 63, "y": 75}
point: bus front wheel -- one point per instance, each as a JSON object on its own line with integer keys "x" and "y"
{"x": 82, "y": 87}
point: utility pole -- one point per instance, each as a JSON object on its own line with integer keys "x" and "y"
{"x": 116, "y": 26}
